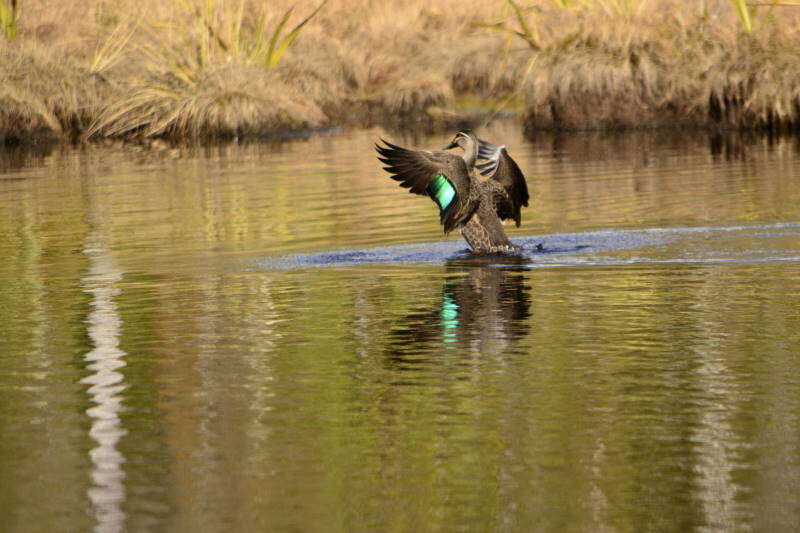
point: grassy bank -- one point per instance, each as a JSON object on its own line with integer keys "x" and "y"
{"x": 202, "y": 68}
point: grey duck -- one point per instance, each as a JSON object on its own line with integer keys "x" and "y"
{"x": 467, "y": 200}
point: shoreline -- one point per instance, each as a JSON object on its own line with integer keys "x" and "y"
{"x": 721, "y": 141}
{"x": 531, "y": 127}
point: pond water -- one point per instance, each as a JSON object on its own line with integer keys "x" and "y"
{"x": 275, "y": 337}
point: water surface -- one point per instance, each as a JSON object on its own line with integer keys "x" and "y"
{"x": 276, "y": 337}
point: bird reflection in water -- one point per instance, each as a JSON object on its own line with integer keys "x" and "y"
{"x": 484, "y": 308}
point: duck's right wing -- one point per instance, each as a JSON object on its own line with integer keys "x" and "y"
{"x": 440, "y": 175}
{"x": 490, "y": 153}
{"x": 505, "y": 171}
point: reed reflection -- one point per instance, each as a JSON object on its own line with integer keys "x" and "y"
{"x": 105, "y": 380}
{"x": 104, "y": 361}
{"x": 484, "y": 305}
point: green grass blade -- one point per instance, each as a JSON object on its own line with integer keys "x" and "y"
{"x": 236, "y": 37}
{"x": 529, "y": 35}
{"x": 9, "y": 14}
{"x": 286, "y": 41}
{"x": 520, "y": 18}
{"x": 497, "y": 26}
{"x": 273, "y": 40}
{"x": 525, "y": 32}
{"x": 744, "y": 15}
{"x": 111, "y": 50}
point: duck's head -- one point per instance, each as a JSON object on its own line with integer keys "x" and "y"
{"x": 464, "y": 139}
{"x": 467, "y": 141}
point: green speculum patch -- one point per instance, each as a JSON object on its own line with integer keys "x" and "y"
{"x": 441, "y": 191}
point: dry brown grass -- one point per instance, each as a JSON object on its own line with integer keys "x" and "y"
{"x": 670, "y": 66}
{"x": 152, "y": 68}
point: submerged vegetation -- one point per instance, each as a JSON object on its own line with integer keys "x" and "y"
{"x": 214, "y": 68}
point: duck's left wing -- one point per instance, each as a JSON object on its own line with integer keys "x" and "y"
{"x": 442, "y": 176}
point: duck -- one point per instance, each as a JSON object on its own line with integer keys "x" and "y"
{"x": 473, "y": 197}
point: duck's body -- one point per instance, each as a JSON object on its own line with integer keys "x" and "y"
{"x": 484, "y": 230}
{"x": 468, "y": 201}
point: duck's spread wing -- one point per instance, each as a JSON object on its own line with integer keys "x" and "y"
{"x": 505, "y": 171}
{"x": 489, "y": 153}
{"x": 440, "y": 175}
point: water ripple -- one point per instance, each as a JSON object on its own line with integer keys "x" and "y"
{"x": 593, "y": 248}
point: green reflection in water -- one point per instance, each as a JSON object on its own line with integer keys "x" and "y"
{"x": 449, "y": 315}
